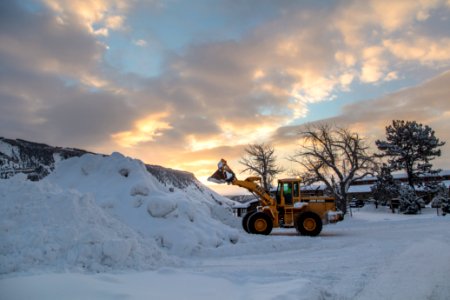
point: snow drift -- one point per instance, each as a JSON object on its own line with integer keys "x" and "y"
{"x": 44, "y": 226}
{"x": 101, "y": 213}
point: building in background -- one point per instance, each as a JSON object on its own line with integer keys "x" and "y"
{"x": 360, "y": 191}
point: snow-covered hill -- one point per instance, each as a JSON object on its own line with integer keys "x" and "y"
{"x": 34, "y": 159}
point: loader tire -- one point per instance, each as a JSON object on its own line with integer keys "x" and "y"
{"x": 259, "y": 223}
{"x": 245, "y": 220}
{"x": 309, "y": 223}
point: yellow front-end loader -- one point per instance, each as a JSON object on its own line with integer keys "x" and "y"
{"x": 288, "y": 209}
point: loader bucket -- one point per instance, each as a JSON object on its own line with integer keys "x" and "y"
{"x": 223, "y": 174}
{"x": 217, "y": 177}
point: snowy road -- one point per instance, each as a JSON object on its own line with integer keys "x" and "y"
{"x": 369, "y": 256}
{"x": 404, "y": 258}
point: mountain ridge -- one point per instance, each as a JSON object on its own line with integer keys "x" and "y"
{"x": 37, "y": 160}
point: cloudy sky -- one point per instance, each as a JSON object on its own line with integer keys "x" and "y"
{"x": 185, "y": 83}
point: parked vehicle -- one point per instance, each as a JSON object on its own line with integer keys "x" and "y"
{"x": 356, "y": 203}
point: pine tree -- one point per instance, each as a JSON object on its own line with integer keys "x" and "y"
{"x": 409, "y": 202}
{"x": 441, "y": 199}
{"x": 385, "y": 188}
{"x": 445, "y": 206}
{"x": 410, "y": 146}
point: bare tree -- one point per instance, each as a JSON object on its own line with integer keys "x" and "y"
{"x": 334, "y": 156}
{"x": 260, "y": 160}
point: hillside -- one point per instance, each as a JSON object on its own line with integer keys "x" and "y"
{"x": 37, "y": 160}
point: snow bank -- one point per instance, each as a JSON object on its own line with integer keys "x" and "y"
{"x": 180, "y": 220}
{"x": 369, "y": 213}
{"x": 99, "y": 213}
{"x": 43, "y": 226}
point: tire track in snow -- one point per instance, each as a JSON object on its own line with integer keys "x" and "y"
{"x": 427, "y": 260}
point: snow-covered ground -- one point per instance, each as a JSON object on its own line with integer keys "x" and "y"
{"x": 87, "y": 233}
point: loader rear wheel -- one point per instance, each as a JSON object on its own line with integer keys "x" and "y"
{"x": 259, "y": 223}
{"x": 309, "y": 223}
{"x": 245, "y": 220}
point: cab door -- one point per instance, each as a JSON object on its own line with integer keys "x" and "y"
{"x": 287, "y": 193}
{"x": 288, "y": 216}
{"x": 296, "y": 191}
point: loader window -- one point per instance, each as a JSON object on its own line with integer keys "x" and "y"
{"x": 287, "y": 192}
{"x": 296, "y": 190}
{"x": 278, "y": 195}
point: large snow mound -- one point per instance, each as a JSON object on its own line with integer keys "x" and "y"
{"x": 98, "y": 213}
{"x": 43, "y": 226}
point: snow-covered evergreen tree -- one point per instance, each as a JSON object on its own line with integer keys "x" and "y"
{"x": 441, "y": 199}
{"x": 445, "y": 206}
{"x": 410, "y": 146}
{"x": 409, "y": 202}
{"x": 385, "y": 188}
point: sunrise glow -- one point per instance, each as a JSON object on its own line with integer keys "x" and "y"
{"x": 184, "y": 83}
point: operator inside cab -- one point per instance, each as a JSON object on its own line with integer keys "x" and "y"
{"x": 285, "y": 190}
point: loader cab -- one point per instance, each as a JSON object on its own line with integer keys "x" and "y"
{"x": 288, "y": 192}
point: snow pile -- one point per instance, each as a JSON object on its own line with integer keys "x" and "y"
{"x": 98, "y": 213}
{"x": 44, "y": 226}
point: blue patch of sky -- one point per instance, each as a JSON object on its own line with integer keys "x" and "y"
{"x": 69, "y": 82}
{"x": 125, "y": 55}
{"x": 364, "y": 92}
{"x": 180, "y": 23}
{"x": 30, "y": 6}
{"x": 438, "y": 24}
{"x": 174, "y": 27}
{"x": 331, "y": 108}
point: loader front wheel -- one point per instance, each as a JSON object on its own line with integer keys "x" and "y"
{"x": 245, "y": 220}
{"x": 309, "y": 223}
{"x": 259, "y": 223}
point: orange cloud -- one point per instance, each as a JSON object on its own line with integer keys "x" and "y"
{"x": 422, "y": 49}
{"x": 92, "y": 12}
{"x": 145, "y": 130}
{"x": 356, "y": 19}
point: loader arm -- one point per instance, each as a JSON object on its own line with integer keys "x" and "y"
{"x": 254, "y": 188}
{"x": 224, "y": 174}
